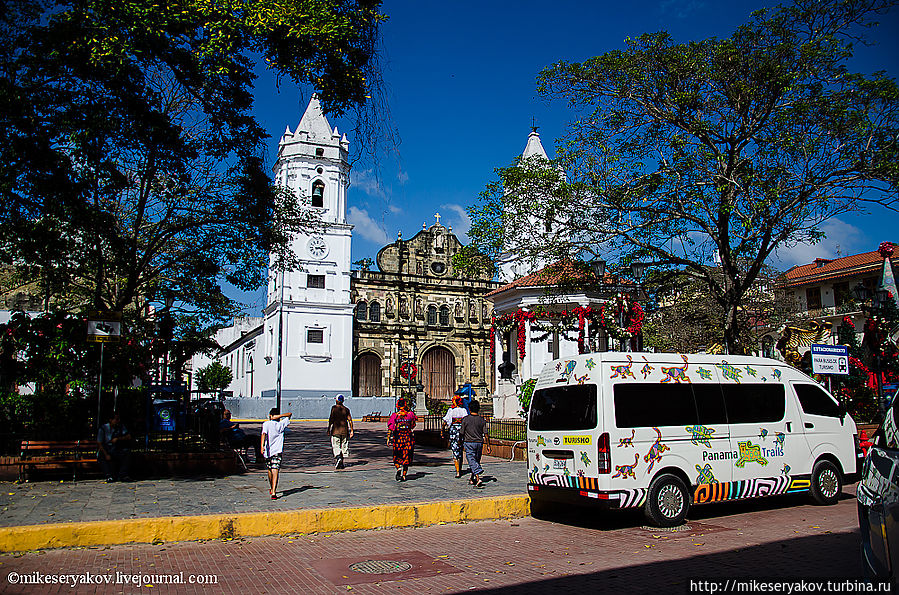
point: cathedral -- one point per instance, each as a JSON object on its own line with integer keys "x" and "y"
{"x": 414, "y": 326}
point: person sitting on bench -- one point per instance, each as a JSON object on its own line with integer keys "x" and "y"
{"x": 236, "y": 438}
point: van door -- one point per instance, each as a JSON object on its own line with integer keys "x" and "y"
{"x": 765, "y": 432}
{"x": 823, "y": 425}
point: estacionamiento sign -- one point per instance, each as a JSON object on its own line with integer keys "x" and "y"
{"x": 830, "y": 359}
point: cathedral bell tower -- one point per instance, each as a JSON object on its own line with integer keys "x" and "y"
{"x": 309, "y": 318}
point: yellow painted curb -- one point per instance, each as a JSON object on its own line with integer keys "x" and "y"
{"x": 255, "y": 524}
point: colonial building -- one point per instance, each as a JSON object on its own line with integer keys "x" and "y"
{"x": 418, "y": 321}
{"x": 372, "y": 334}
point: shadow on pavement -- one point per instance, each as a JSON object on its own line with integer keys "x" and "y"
{"x": 791, "y": 559}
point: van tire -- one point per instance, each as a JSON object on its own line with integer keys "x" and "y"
{"x": 540, "y": 508}
{"x": 826, "y": 483}
{"x": 667, "y": 501}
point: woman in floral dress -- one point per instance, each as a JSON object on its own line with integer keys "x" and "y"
{"x": 400, "y": 424}
{"x": 453, "y": 421}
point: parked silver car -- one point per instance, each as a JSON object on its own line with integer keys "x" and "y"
{"x": 878, "y": 501}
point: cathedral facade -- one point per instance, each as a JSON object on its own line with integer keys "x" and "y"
{"x": 419, "y": 322}
{"x": 414, "y": 325}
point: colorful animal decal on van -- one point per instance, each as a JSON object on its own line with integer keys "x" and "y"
{"x": 582, "y": 379}
{"x": 779, "y": 438}
{"x": 590, "y": 364}
{"x": 541, "y": 441}
{"x": 763, "y": 433}
{"x": 751, "y": 371}
{"x": 625, "y": 471}
{"x": 704, "y": 374}
{"x": 775, "y": 373}
{"x": 646, "y": 370}
{"x": 705, "y": 474}
{"x": 655, "y": 451}
{"x": 623, "y": 371}
{"x": 730, "y": 372}
{"x": 701, "y": 435}
{"x": 786, "y": 469}
{"x": 675, "y": 373}
{"x": 627, "y": 441}
{"x": 566, "y": 373}
{"x": 585, "y": 458}
{"x": 750, "y": 453}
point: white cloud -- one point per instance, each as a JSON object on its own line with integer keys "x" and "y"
{"x": 367, "y": 182}
{"x": 403, "y": 177}
{"x": 366, "y": 226}
{"x": 842, "y": 239}
{"x": 457, "y": 218}
{"x": 395, "y": 210}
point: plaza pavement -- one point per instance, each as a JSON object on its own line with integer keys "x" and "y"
{"x": 313, "y": 497}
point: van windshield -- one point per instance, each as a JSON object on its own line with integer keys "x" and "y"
{"x": 564, "y": 408}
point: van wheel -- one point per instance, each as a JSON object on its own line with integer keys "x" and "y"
{"x": 667, "y": 501}
{"x": 540, "y": 508}
{"x": 826, "y": 483}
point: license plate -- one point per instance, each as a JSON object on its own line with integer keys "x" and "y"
{"x": 559, "y": 463}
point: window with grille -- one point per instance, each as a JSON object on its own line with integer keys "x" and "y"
{"x": 374, "y": 312}
{"x": 315, "y": 281}
{"x": 444, "y": 315}
{"x": 361, "y": 311}
{"x": 432, "y": 314}
{"x": 315, "y": 335}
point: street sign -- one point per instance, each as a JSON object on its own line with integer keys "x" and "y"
{"x": 104, "y": 327}
{"x": 830, "y": 359}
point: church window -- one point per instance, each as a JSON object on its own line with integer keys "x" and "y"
{"x": 374, "y": 312}
{"x": 315, "y": 281}
{"x": 319, "y": 152}
{"x": 432, "y": 314}
{"x": 362, "y": 311}
{"x": 318, "y": 193}
{"x": 444, "y": 315}
{"x": 438, "y": 267}
{"x": 315, "y": 335}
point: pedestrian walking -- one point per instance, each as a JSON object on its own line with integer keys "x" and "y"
{"x": 272, "y": 444}
{"x": 474, "y": 437}
{"x": 340, "y": 429}
{"x": 453, "y": 423}
{"x": 400, "y": 425}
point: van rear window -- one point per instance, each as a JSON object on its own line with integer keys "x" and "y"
{"x": 644, "y": 405}
{"x": 564, "y": 408}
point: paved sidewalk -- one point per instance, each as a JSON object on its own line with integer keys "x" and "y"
{"x": 308, "y": 481}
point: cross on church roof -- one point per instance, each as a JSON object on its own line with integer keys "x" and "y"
{"x": 534, "y": 123}
{"x": 437, "y": 216}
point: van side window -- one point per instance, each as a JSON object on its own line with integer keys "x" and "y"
{"x": 815, "y": 401}
{"x": 710, "y": 404}
{"x": 754, "y": 403}
{"x": 564, "y": 408}
{"x": 640, "y": 405}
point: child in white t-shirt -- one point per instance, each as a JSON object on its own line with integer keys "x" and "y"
{"x": 273, "y": 445}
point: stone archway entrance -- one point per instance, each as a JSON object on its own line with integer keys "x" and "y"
{"x": 367, "y": 376}
{"x": 438, "y": 372}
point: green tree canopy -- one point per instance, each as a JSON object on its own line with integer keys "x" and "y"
{"x": 130, "y": 162}
{"x": 213, "y": 378}
{"x": 684, "y": 154}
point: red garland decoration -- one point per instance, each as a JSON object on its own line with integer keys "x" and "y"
{"x": 407, "y": 368}
{"x": 492, "y": 346}
{"x": 858, "y": 364}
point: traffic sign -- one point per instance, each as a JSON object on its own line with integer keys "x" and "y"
{"x": 104, "y": 327}
{"x": 830, "y": 359}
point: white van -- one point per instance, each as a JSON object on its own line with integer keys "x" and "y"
{"x": 664, "y": 430}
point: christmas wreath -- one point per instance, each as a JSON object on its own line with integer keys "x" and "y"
{"x": 409, "y": 369}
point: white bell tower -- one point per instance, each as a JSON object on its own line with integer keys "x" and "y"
{"x": 308, "y": 324}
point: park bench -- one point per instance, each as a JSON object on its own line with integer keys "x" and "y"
{"x": 55, "y": 453}
{"x": 376, "y": 416}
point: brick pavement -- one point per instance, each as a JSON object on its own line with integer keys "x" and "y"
{"x": 584, "y": 551}
{"x": 308, "y": 480}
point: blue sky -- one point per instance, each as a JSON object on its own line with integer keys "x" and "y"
{"x": 460, "y": 81}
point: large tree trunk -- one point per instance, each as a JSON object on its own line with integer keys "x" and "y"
{"x": 732, "y": 343}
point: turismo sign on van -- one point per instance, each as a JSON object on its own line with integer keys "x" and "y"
{"x": 830, "y": 359}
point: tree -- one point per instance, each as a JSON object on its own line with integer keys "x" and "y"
{"x": 130, "y": 163}
{"x": 715, "y": 150}
{"x": 213, "y": 378}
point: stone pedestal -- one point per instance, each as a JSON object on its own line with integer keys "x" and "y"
{"x": 421, "y": 408}
{"x": 505, "y": 400}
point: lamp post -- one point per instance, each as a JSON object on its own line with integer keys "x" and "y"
{"x": 168, "y": 329}
{"x": 414, "y": 387}
{"x": 863, "y": 294}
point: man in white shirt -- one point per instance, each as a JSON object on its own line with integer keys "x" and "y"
{"x": 273, "y": 444}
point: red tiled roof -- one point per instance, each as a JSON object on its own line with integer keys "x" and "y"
{"x": 564, "y": 271}
{"x": 846, "y": 266}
